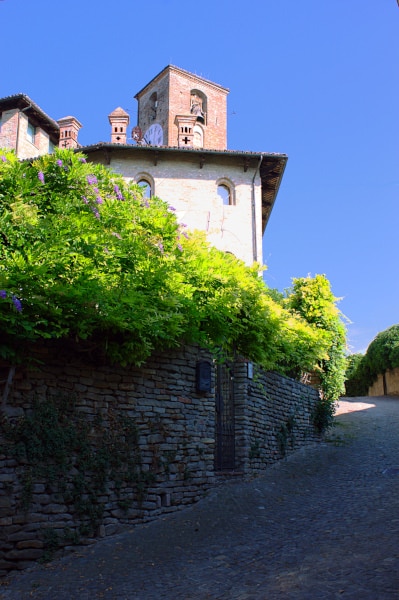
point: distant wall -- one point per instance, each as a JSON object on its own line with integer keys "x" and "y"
{"x": 386, "y": 384}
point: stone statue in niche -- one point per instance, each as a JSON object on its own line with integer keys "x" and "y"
{"x": 196, "y": 106}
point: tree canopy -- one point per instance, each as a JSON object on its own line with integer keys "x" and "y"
{"x": 84, "y": 256}
{"x": 382, "y": 355}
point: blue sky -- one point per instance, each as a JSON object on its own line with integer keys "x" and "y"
{"x": 317, "y": 80}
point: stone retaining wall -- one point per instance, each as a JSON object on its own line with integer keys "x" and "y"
{"x": 274, "y": 417}
{"x": 139, "y": 442}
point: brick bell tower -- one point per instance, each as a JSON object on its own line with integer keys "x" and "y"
{"x": 180, "y": 109}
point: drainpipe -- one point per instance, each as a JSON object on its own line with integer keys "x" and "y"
{"x": 254, "y": 239}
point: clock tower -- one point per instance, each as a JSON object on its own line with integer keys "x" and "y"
{"x": 180, "y": 109}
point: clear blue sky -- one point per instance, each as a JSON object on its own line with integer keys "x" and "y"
{"x": 316, "y": 79}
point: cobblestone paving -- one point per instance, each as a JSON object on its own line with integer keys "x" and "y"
{"x": 322, "y": 524}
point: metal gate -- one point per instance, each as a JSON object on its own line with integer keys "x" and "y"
{"x": 225, "y": 427}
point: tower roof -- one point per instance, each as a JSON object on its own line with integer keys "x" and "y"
{"x": 118, "y": 112}
{"x": 181, "y": 72}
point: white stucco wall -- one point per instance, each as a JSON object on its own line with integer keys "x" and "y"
{"x": 192, "y": 191}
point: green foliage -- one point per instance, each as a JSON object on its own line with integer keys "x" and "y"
{"x": 313, "y": 300}
{"x": 286, "y": 435}
{"x": 383, "y": 352}
{"x": 382, "y": 355}
{"x": 83, "y": 256}
{"x": 323, "y": 415}
{"x": 77, "y": 459}
{"x": 357, "y": 377}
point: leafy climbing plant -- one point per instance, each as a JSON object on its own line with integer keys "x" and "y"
{"x": 313, "y": 300}
{"x": 84, "y": 256}
{"x": 381, "y": 355}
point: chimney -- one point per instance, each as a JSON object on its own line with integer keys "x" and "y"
{"x": 69, "y": 129}
{"x": 119, "y": 120}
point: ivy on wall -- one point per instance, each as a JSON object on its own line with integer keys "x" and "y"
{"x": 78, "y": 460}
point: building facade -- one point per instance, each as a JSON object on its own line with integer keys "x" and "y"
{"x": 180, "y": 154}
{"x": 27, "y": 129}
{"x": 178, "y": 151}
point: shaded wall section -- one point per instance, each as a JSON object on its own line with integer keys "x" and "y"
{"x": 87, "y": 448}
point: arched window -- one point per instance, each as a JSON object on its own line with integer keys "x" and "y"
{"x": 198, "y": 141}
{"x": 154, "y": 103}
{"x": 226, "y": 194}
{"x": 146, "y": 187}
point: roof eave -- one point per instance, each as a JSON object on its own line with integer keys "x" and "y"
{"x": 23, "y": 102}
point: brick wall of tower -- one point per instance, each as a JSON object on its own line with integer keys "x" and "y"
{"x": 215, "y": 130}
{"x": 173, "y": 89}
{"x": 147, "y": 115}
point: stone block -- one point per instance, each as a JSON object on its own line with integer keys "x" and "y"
{"x": 25, "y": 554}
{"x": 29, "y": 544}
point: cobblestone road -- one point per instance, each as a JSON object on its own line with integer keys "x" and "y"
{"x": 322, "y": 524}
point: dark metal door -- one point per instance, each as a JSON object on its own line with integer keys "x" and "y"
{"x": 225, "y": 427}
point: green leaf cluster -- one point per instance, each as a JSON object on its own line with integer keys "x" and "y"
{"x": 382, "y": 355}
{"x": 313, "y": 299}
{"x": 83, "y": 256}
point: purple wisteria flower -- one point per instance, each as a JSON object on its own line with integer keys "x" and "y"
{"x": 85, "y": 200}
{"x": 185, "y": 234}
{"x": 117, "y": 235}
{"x": 180, "y": 247}
{"x": 91, "y": 179}
{"x": 99, "y": 200}
{"x": 41, "y": 176}
{"x": 82, "y": 160}
{"x": 172, "y": 208}
{"x": 59, "y": 162}
{"x": 95, "y": 211}
{"x": 160, "y": 246}
{"x": 3, "y": 294}
{"x": 3, "y": 158}
{"x": 118, "y": 192}
{"x": 17, "y": 303}
{"x": 146, "y": 204}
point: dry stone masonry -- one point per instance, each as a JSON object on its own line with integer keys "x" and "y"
{"x": 87, "y": 448}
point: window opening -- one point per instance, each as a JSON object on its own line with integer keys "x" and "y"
{"x": 198, "y": 141}
{"x": 225, "y": 194}
{"x": 146, "y": 187}
{"x": 30, "y": 133}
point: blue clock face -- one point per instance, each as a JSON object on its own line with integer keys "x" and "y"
{"x": 154, "y": 135}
